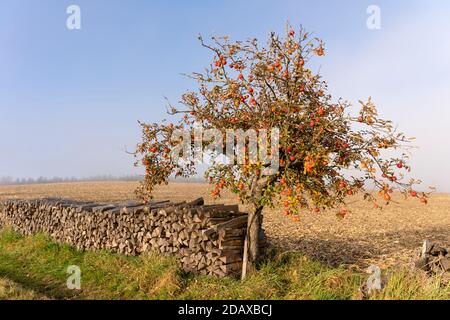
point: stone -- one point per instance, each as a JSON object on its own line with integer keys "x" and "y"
{"x": 426, "y": 248}
{"x": 445, "y": 264}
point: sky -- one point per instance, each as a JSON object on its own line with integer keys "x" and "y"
{"x": 70, "y": 99}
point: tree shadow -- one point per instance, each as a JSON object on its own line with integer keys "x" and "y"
{"x": 350, "y": 251}
{"x": 45, "y": 288}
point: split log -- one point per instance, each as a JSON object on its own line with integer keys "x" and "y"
{"x": 237, "y": 223}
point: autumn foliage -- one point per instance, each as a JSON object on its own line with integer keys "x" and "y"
{"x": 326, "y": 153}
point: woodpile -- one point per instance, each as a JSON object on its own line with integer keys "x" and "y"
{"x": 434, "y": 259}
{"x": 206, "y": 239}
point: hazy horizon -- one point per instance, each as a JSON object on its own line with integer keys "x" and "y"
{"x": 70, "y": 99}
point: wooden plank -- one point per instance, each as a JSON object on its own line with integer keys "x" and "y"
{"x": 103, "y": 208}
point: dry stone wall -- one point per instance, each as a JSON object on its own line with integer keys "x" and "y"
{"x": 206, "y": 239}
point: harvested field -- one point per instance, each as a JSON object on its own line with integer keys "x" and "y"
{"x": 366, "y": 236}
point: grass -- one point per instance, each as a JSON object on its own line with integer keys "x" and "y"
{"x": 405, "y": 285}
{"x": 34, "y": 267}
{"x": 13, "y": 291}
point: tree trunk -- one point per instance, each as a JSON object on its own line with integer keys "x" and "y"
{"x": 251, "y": 244}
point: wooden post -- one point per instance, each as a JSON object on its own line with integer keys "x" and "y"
{"x": 245, "y": 257}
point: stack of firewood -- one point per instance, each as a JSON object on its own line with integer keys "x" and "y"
{"x": 205, "y": 239}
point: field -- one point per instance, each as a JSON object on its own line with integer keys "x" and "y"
{"x": 366, "y": 236}
{"x": 389, "y": 239}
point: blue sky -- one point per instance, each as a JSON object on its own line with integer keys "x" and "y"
{"x": 70, "y": 99}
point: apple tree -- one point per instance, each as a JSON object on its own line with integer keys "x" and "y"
{"x": 328, "y": 150}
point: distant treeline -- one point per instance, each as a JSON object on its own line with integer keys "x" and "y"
{"x": 40, "y": 180}
{"x": 11, "y": 180}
